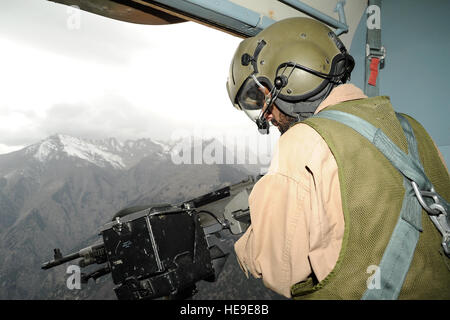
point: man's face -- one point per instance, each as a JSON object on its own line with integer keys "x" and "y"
{"x": 279, "y": 119}
{"x": 282, "y": 121}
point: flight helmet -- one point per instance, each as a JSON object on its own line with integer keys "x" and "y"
{"x": 294, "y": 63}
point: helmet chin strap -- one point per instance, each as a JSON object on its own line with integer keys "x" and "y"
{"x": 306, "y": 108}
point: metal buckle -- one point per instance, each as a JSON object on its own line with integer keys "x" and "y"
{"x": 435, "y": 208}
{"x": 446, "y": 244}
{"x": 438, "y": 214}
{"x": 376, "y": 53}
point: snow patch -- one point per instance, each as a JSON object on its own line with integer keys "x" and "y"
{"x": 44, "y": 150}
{"x": 52, "y": 147}
{"x": 166, "y": 148}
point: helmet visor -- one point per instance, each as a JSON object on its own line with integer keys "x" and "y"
{"x": 253, "y": 97}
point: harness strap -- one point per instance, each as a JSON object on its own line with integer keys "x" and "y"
{"x": 399, "y": 252}
{"x": 375, "y": 52}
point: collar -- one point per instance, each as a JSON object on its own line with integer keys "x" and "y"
{"x": 341, "y": 93}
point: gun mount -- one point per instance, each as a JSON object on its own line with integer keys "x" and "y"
{"x": 163, "y": 250}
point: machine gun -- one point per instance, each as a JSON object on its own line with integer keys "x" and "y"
{"x": 163, "y": 250}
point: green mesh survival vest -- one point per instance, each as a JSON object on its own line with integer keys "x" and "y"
{"x": 372, "y": 193}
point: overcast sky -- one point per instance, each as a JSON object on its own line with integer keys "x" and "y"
{"x": 77, "y": 73}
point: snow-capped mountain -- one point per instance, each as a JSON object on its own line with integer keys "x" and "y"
{"x": 102, "y": 153}
{"x": 58, "y": 146}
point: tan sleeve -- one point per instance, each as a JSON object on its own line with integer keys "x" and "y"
{"x": 265, "y": 250}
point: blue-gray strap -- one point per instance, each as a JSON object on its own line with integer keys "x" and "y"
{"x": 406, "y": 164}
{"x": 374, "y": 48}
{"x": 397, "y": 257}
{"x": 399, "y": 252}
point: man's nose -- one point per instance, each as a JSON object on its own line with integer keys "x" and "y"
{"x": 268, "y": 115}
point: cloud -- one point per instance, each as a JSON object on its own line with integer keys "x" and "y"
{"x": 109, "y": 78}
{"x": 49, "y": 26}
{"x": 110, "y": 115}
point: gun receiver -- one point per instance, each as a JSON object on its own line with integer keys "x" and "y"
{"x": 228, "y": 206}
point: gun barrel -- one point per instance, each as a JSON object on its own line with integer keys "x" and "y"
{"x": 57, "y": 262}
{"x": 90, "y": 255}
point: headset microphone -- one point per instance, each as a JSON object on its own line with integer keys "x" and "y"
{"x": 263, "y": 125}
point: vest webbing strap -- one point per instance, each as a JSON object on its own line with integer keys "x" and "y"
{"x": 399, "y": 252}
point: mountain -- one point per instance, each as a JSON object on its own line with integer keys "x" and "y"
{"x": 58, "y": 192}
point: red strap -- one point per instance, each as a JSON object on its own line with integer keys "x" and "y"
{"x": 374, "y": 62}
